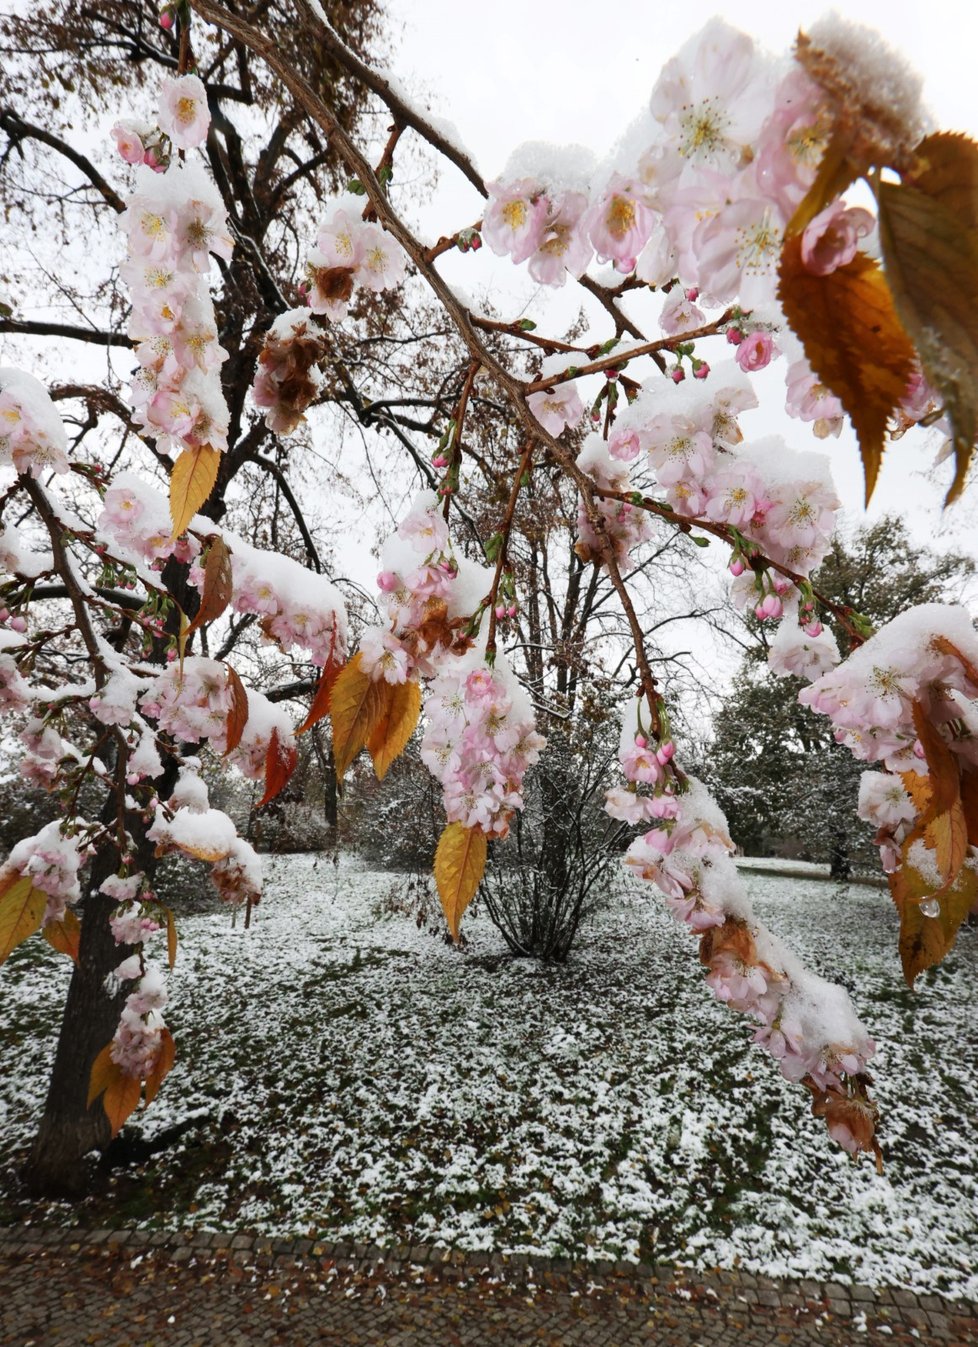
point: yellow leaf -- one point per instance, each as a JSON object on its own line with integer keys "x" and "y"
{"x": 925, "y": 940}
{"x": 21, "y": 912}
{"x": 217, "y": 589}
{"x": 64, "y": 935}
{"x": 835, "y": 173}
{"x": 394, "y": 729}
{"x": 357, "y": 704}
{"x": 853, "y": 340}
{"x": 931, "y": 258}
{"x": 459, "y": 863}
{"x": 191, "y": 482}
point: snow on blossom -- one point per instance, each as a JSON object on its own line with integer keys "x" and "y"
{"x": 793, "y": 651}
{"x": 50, "y": 859}
{"x": 32, "y": 435}
{"x": 870, "y": 696}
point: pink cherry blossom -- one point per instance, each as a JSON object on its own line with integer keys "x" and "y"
{"x": 183, "y": 112}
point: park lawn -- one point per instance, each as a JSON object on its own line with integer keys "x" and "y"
{"x": 348, "y": 1075}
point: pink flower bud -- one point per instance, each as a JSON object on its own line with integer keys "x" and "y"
{"x": 440, "y": 461}
{"x": 500, "y": 610}
{"x": 18, "y": 623}
{"x": 387, "y": 581}
{"x": 770, "y": 606}
{"x": 701, "y": 370}
{"x": 641, "y": 741}
{"x": 511, "y": 610}
{"x": 737, "y": 566}
{"x": 666, "y": 752}
{"x": 611, "y": 374}
{"x": 170, "y": 656}
{"x": 814, "y": 628}
{"x": 476, "y": 242}
{"x": 677, "y": 375}
{"x": 734, "y": 336}
{"x": 693, "y": 294}
{"x": 166, "y": 20}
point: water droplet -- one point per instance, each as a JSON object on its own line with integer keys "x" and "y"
{"x": 930, "y": 907}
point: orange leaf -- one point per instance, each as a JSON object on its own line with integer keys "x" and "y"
{"x": 171, "y": 938}
{"x": 459, "y": 864}
{"x": 930, "y": 252}
{"x": 64, "y": 935}
{"x": 945, "y": 784}
{"x": 853, "y": 340}
{"x": 357, "y": 703}
{"x": 280, "y": 761}
{"x": 161, "y": 1067}
{"x": 191, "y": 482}
{"x": 924, "y": 940}
{"x": 217, "y": 590}
{"x": 103, "y": 1069}
{"x": 395, "y": 727}
{"x": 21, "y": 911}
{"x": 121, "y": 1098}
{"x": 324, "y": 695}
{"x": 238, "y": 713}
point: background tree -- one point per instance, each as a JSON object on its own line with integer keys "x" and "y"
{"x": 786, "y": 786}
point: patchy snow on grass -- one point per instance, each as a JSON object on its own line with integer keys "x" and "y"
{"x": 349, "y": 1075}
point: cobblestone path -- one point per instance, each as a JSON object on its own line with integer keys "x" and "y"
{"x": 137, "y": 1289}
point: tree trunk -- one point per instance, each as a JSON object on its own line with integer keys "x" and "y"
{"x": 69, "y": 1129}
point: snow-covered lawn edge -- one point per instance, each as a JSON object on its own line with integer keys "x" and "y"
{"x": 354, "y": 1077}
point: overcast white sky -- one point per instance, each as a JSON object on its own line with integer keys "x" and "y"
{"x": 517, "y": 70}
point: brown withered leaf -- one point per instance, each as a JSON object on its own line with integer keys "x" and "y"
{"x": 931, "y": 258}
{"x": 733, "y": 937}
{"x": 854, "y": 342}
{"x": 969, "y": 803}
{"x": 21, "y": 912}
{"x": 334, "y": 283}
{"x": 191, "y": 482}
{"x": 357, "y": 703}
{"x": 395, "y": 727}
{"x": 946, "y": 170}
{"x": 64, "y": 935}
{"x": 217, "y": 585}
{"x": 280, "y": 763}
{"x": 162, "y": 1066}
{"x": 924, "y": 941}
{"x": 238, "y": 711}
{"x": 459, "y": 865}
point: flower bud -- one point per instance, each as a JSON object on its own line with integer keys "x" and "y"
{"x": 737, "y": 566}
{"x": 677, "y": 375}
{"x": 701, "y": 371}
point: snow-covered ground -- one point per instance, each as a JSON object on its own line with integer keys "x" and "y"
{"x": 356, "y": 1078}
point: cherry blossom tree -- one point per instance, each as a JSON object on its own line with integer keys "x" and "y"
{"x": 727, "y": 196}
